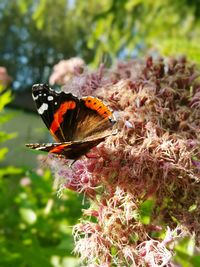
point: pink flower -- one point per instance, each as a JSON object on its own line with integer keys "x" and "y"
{"x": 25, "y": 181}
{"x": 154, "y": 157}
{"x": 154, "y": 253}
{"x": 65, "y": 70}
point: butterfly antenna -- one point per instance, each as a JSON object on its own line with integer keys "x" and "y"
{"x": 72, "y": 163}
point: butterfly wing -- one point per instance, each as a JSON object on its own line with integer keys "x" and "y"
{"x": 94, "y": 119}
{"x": 69, "y": 118}
{"x": 70, "y": 150}
{"x": 58, "y": 111}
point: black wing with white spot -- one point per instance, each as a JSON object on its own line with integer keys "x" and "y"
{"x": 57, "y": 109}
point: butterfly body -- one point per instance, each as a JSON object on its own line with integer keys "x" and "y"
{"x": 77, "y": 124}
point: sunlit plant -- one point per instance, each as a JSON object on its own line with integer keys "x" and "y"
{"x": 143, "y": 183}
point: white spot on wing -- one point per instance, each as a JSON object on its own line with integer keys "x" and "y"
{"x": 42, "y": 109}
{"x": 50, "y": 98}
{"x": 35, "y": 97}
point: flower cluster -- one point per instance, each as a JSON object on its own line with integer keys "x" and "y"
{"x": 65, "y": 70}
{"x": 154, "y": 158}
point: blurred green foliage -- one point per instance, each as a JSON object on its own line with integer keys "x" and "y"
{"x": 37, "y": 34}
{"x": 34, "y": 222}
{"x": 146, "y": 209}
{"x": 185, "y": 253}
{"x": 35, "y": 225}
{"x": 134, "y": 27}
{"x": 5, "y": 98}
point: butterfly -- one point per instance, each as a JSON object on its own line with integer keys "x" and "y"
{"x": 77, "y": 124}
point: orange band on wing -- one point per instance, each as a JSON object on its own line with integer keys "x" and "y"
{"x": 96, "y": 104}
{"x": 58, "y": 149}
{"x": 58, "y": 116}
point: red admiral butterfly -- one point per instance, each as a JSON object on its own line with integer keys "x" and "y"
{"x": 76, "y": 124}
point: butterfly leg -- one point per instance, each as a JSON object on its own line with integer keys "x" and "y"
{"x": 72, "y": 163}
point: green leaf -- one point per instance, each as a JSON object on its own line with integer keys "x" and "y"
{"x": 4, "y": 117}
{"x": 32, "y": 256}
{"x": 114, "y": 251}
{"x": 192, "y": 208}
{"x": 10, "y": 170}
{"x": 145, "y": 211}
{"x": 5, "y": 136}
{"x": 185, "y": 250}
{"x": 23, "y": 6}
{"x": 3, "y": 152}
{"x": 5, "y": 99}
{"x": 195, "y": 260}
{"x": 28, "y": 215}
{"x": 187, "y": 246}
